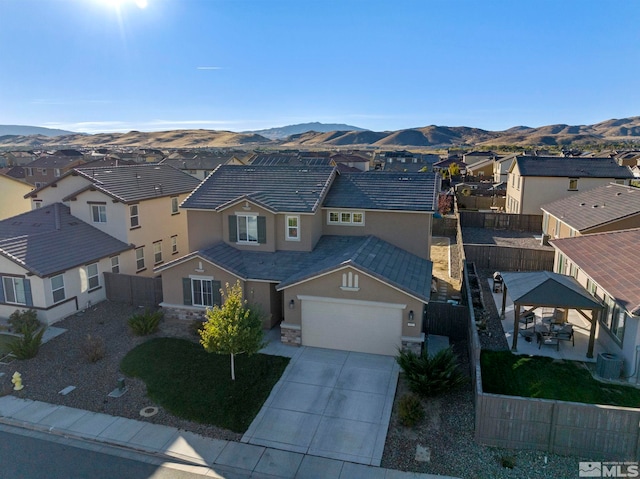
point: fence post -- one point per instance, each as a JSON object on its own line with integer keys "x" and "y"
{"x": 553, "y": 427}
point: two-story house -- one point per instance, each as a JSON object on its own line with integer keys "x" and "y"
{"x": 52, "y": 262}
{"x": 136, "y": 204}
{"x": 604, "y": 264}
{"x": 536, "y": 180}
{"x": 13, "y": 200}
{"x": 51, "y": 166}
{"x": 611, "y": 207}
{"x": 340, "y": 261}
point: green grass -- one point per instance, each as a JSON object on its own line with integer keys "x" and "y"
{"x": 195, "y": 385}
{"x": 548, "y": 378}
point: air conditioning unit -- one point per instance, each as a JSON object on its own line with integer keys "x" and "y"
{"x": 608, "y": 366}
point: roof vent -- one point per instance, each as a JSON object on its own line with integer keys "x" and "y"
{"x": 595, "y": 206}
{"x": 618, "y": 193}
{"x": 582, "y": 204}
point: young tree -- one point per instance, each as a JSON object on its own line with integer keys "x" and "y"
{"x": 232, "y": 328}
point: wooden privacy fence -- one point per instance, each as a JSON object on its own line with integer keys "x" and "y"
{"x": 445, "y": 226}
{"x": 136, "y": 290}
{"x": 503, "y": 221}
{"x": 508, "y": 258}
{"x": 480, "y": 202}
{"x": 587, "y": 430}
{"x": 446, "y": 319}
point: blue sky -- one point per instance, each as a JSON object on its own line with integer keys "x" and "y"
{"x": 109, "y": 65}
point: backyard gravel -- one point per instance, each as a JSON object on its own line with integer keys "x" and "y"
{"x": 447, "y": 430}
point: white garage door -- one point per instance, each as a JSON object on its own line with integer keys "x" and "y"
{"x": 361, "y": 326}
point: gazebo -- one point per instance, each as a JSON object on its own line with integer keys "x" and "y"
{"x": 540, "y": 289}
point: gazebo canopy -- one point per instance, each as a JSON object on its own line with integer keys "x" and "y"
{"x": 544, "y": 288}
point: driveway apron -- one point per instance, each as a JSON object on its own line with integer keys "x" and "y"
{"x": 329, "y": 403}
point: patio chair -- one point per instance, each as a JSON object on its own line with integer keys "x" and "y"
{"x": 566, "y": 334}
{"x": 547, "y": 340}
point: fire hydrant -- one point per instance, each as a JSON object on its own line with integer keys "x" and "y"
{"x": 16, "y": 379}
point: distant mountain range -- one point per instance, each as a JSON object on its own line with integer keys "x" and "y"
{"x": 342, "y": 136}
{"x": 31, "y": 130}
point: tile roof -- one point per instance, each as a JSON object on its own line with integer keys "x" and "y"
{"x": 132, "y": 183}
{"x": 571, "y": 167}
{"x": 276, "y": 188}
{"x": 610, "y": 260}
{"x": 197, "y": 162}
{"x": 382, "y": 190}
{"x": 50, "y": 240}
{"x": 55, "y": 161}
{"x": 588, "y": 209}
{"x": 368, "y": 254}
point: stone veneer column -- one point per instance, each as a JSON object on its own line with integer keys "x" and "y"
{"x": 184, "y": 314}
{"x": 290, "y": 334}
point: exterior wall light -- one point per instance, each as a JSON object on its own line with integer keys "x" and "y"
{"x": 411, "y": 315}
{"x": 292, "y": 304}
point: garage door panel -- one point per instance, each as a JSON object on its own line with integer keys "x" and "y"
{"x": 351, "y": 326}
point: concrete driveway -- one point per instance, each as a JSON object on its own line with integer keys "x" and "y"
{"x": 329, "y": 403}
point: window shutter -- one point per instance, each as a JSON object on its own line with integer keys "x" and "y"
{"x": 2, "y": 300}
{"x": 27, "y": 292}
{"x": 262, "y": 229}
{"x": 217, "y": 299}
{"x": 186, "y": 291}
{"x": 233, "y": 229}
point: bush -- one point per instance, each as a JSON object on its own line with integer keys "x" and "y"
{"x": 145, "y": 323}
{"x": 93, "y": 349}
{"x": 410, "y": 410}
{"x": 21, "y": 321}
{"x": 430, "y": 376}
{"x": 28, "y": 345}
{"x": 508, "y": 462}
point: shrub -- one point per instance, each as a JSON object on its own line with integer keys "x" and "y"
{"x": 410, "y": 410}
{"x": 145, "y": 323}
{"x": 93, "y": 348}
{"x": 28, "y": 345}
{"x": 508, "y": 462}
{"x": 430, "y": 376}
{"x": 21, "y": 321}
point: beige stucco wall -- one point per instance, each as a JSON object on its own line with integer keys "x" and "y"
{"x": 370, "y": 290}
{"x": 204, "y": 229}
{"x": 624, "y": 224}
{"x": 13, "y": 201}
{"x": 308, "y": 225}
{"x": 64, "y": 187}
{"x": 252, "y": 209}
{"x": 409, "y": 231}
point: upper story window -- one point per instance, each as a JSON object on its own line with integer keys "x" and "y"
{"x": 42, "y": 171}
{"x": 140, "y": 259}
{"x": 353, "y": 218}
{"x": 115, "y": 264}
{"x": 37, "y": 204}
{"x": 293, "y": 228}
{"x": 57, "y": 288}
{"x": 56, "y": 172}
{"x": 157, "y": 252}
{"x": 174, "y": 205}
{"x": 134, "y": 218}
{"x": 29, "y": 171}
{"x": 573, "y": 184}
{"x": 99, "y": 213}
{"x": 247, "y": 228}
{"x": 174, "y": 244}
{"x": 93, "y": 278}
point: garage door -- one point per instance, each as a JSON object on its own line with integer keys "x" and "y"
{"x": 362, "y": 326}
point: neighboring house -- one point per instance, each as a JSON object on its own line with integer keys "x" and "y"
{"x": 535, "y": 180}
{"x": 49, "y": 167}
{"x": 13, "y": 200}
{"x": 16, "y": 158}
{"x": 443, "y": 166}
{"x": 611, "y": 207}
{"x": 340, "y": 261}
{"x": 474, "y": 157}
{"x": 52, "y": 262}
{"x": 352, "y": 161}
{"x": 482, "y": 168}
{"x": 604, "y": 264}
{"x": 198, "y": 166}
{"x": 501, "y": 167}
{"x": 628, "y": 158}
{"x": 138, "y": 205}
{"x": 404, "y": 161}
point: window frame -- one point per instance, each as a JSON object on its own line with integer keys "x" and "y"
{"x": 288, "y": 228}
{"x": 157, "y": 252}
{"x": 175, "y": 210}
{"x": 202, "y": 293}
{"x": 13, "y": 281}
{"x": 56, "y": 172}
{"x": 55, "y": 289}
{"x": 115, "y": 265}
{"x": 100, "y": 211}
{"x": 573, "y": 184}
{"x": 132, "y": 216}
{"x": 93, "y": 280}
{"x": 346, "y": 217}
{"x": 174, "y": 244}
{"x": 254, "y": 224}
{"x": 140, "y": 258}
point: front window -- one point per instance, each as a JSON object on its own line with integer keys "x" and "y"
{"x": 57, "y": 288}
{"x": 115, "y": 264}
{"x": 99, "y": 213}
{"x": 133, "y": 216}
{"x": 573, "y": 184}
{"x": 174, "y": 205}
{"x": 140, "y": 258}
{"x": 157, "y": 252}
{"x": 174, "y": 244}
{"x": 202, "y": 292}
{"x": 293, "y": 228}
{"x": 14, "y": 290}
{"x": 92, "y": 276}
{"x": 247, "y": 229}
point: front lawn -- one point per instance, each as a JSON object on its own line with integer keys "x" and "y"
{"x": 195, "y": 385}
{"x": 548, "y": 378}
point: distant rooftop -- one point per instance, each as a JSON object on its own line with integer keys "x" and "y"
{"x": 572, "y": 167}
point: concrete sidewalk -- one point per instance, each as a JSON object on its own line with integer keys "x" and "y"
{"x": 198, "y": 454}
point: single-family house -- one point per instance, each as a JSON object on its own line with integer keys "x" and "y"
{"x": 53, "y": 262}
{"x": 51, "y": 166}
{"x": 198, "y": 165}
{"x": 501, "y": 167}
{"x": 537, "y": 180}
{"x": 136, "y": 204}
{"x": 338, "y": 260}
{"x": 13, "y": 200}
{"x": 604, "y": 264}
{"x": 611, "y": 207}
{"x": 474, "y": 157}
